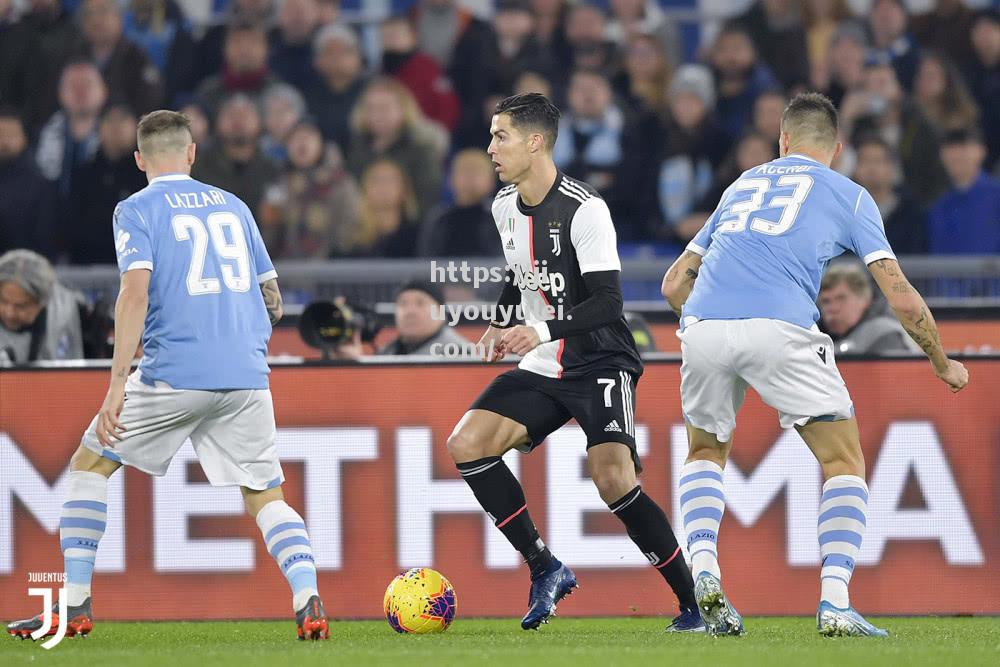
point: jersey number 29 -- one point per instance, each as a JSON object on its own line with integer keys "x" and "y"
{"x": 758, "y": 187}
{"x": 234, "y": 248}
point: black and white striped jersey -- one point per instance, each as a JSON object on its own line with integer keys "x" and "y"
{"x": 548, "y": 248}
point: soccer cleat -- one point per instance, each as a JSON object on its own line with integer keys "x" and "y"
{"x": 546, "y": 592}
{"x": 689, "y": 620}
{"x": 835, "y": 622}
{"x": 80, "y": 622}
{"x": 312, "y": 621}
{"x": 719, "y": 615}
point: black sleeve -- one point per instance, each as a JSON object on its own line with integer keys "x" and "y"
{"x": 510, "y": 299}
{"x": 601, "y": 308}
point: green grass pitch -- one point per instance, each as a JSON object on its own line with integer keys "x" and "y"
{"x": 770, "y": 642}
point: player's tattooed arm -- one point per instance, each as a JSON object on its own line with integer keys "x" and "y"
{"x": 913, "y": 313}
{"x": 272, "y": 299}
{"x": 679, "y": 279}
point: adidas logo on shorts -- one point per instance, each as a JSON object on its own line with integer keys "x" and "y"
{"x": 613, "y": 426}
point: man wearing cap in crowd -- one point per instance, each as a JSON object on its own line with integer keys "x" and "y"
{"x": 422, "y": 329}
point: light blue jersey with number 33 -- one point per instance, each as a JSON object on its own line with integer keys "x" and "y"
{"x": 766, "y": 246}
{"x": 207, "y": 326}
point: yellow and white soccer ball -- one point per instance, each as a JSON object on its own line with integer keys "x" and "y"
{"x": 420, "y": 601}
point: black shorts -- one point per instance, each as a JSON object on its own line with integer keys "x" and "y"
{"x": 602, "y": 402}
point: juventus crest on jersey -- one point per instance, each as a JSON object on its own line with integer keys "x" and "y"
{"x": 548, "y": 248}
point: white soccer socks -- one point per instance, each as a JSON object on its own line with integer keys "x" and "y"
{"x": 287, "y": 541}
{"x": 842, "y": 518}
{"x": 81, "y": 527}
{"x": 702, "y": 504}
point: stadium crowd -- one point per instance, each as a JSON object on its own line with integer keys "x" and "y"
{"x": 346, "y": 146}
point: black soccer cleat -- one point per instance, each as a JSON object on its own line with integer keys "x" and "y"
{"x": 312, "y": 621}
{"x": 546, "y": 592}
{"x": 79, "y": 623}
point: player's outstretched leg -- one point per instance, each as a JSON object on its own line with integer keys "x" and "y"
{"x": 288, "y": 543}
{"x": 501, "y": 495}
{"x": 82, "y": 522}
{"x": 842, "y": 518}
{"x": 612, "y": 470}
{"x": 702, "y": 503}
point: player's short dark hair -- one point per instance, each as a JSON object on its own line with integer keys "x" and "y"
{"x": 163, "y": 130}
{"x": 811, "y": 118}
{"x": 533, "y": 112}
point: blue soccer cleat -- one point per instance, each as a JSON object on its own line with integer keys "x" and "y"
{"x": 546, "y": 592}
{"x": 689, "y": 620}
{"x": 719, "y": 615}
{"x": 836, "y": 622}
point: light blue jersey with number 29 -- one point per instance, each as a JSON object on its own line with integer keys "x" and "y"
{"x": 766, "y": 246}
{"x": 207, "y": 326}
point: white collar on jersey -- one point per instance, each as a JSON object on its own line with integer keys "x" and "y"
{"x": 171, "y": 177}
{"x": 803, "y": 157}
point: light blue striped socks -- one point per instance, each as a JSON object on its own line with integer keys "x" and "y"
{"x": 287, "y": 541}
{"x": 842, "y": 518}
{"x": 702, "y": 503}
{"x": 81, "y": 527}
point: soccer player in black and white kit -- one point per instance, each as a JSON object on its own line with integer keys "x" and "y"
{"x": 579, "y": 360}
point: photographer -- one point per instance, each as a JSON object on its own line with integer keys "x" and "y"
{"x": 419, "y": 331}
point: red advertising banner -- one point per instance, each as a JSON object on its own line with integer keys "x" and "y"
{"x": 364, "y": 456}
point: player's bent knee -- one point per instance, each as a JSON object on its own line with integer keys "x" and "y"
{"x": 464, "y": 446}
{"x": 613, "y": 481}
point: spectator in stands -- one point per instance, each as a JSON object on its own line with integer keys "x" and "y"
{"x": 767, "y": 110}
{"x": 849, "y": 317}
{"x": 56, "y": 33}
{"x": 311, "y": 212}
{"x": 291, "y": 52}
{"x": 644, "y": 79}
{"x": 329, "y": 11}
{"x": 942, "y": 95}
{"x": 244, "y": 69}
{"x": 752, "y": 150}
{"x": 846, "y": 64}
{"x": 776, "y": 28}
{"x": 516, "y": 48}
{"x": 878, "y": 171}
{"x": 421, "y": 328}
{"x": 200, "y": 127}
{"x": 387, "y": 123}
{"x": 39, "y": 318}
{"x": 591, "y": 142}
{"x": 983, "y": 77}
{"x": 337, "y": 58}
{"x": 18, "y": 59}
{"x": 532, "y": 82}
{"x": 98, "y": 186}
{"x": 128, "y": 72}
{"x": 820, "y": 19}
{"x": 694, "y": 147}
{"x": 27, "y": 204}
{"x": 966, "y": 220}
{"x": 466, "y": 228}
{"x": 235, "y": 162}
{"x": 283, "y": 108}
{"x": 891, "y": 42}
{"x": 447, "y": 31}
{"x": 550, "y": 30}
{"x": 70, "y": 136}
{"x": 945, "y": 29}
{"x": 881, "y": 107}
{"x": 739, "y": 78}
{"x": 388, "y": 212}
{"x": 644, "y": 17}
{"x": 419, "y": 72}
{"x": 589, "y": 48}
{"x": 160, "y": 28}
{"x": 240, "y": 12}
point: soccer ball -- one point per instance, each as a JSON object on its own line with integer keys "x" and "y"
{"x": 420, "y": 601}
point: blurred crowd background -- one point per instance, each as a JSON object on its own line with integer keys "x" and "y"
{"x": 359, "y": 130}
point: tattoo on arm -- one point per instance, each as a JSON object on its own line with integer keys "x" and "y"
{"x": 272, "y": 300}
{"x": 888, "y": 266}
{"x": 924, "y": 332}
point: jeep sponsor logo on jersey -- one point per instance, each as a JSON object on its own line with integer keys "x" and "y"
{"x": 540, "y": 279}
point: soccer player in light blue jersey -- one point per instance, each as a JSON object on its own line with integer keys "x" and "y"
{"x": 745, "y": 291}
{"x": 199, "y": 288}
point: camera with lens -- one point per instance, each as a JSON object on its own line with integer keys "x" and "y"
{"x": 326, "y": 325}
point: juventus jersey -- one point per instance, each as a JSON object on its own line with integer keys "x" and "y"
{"x": 548, "y": 248}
